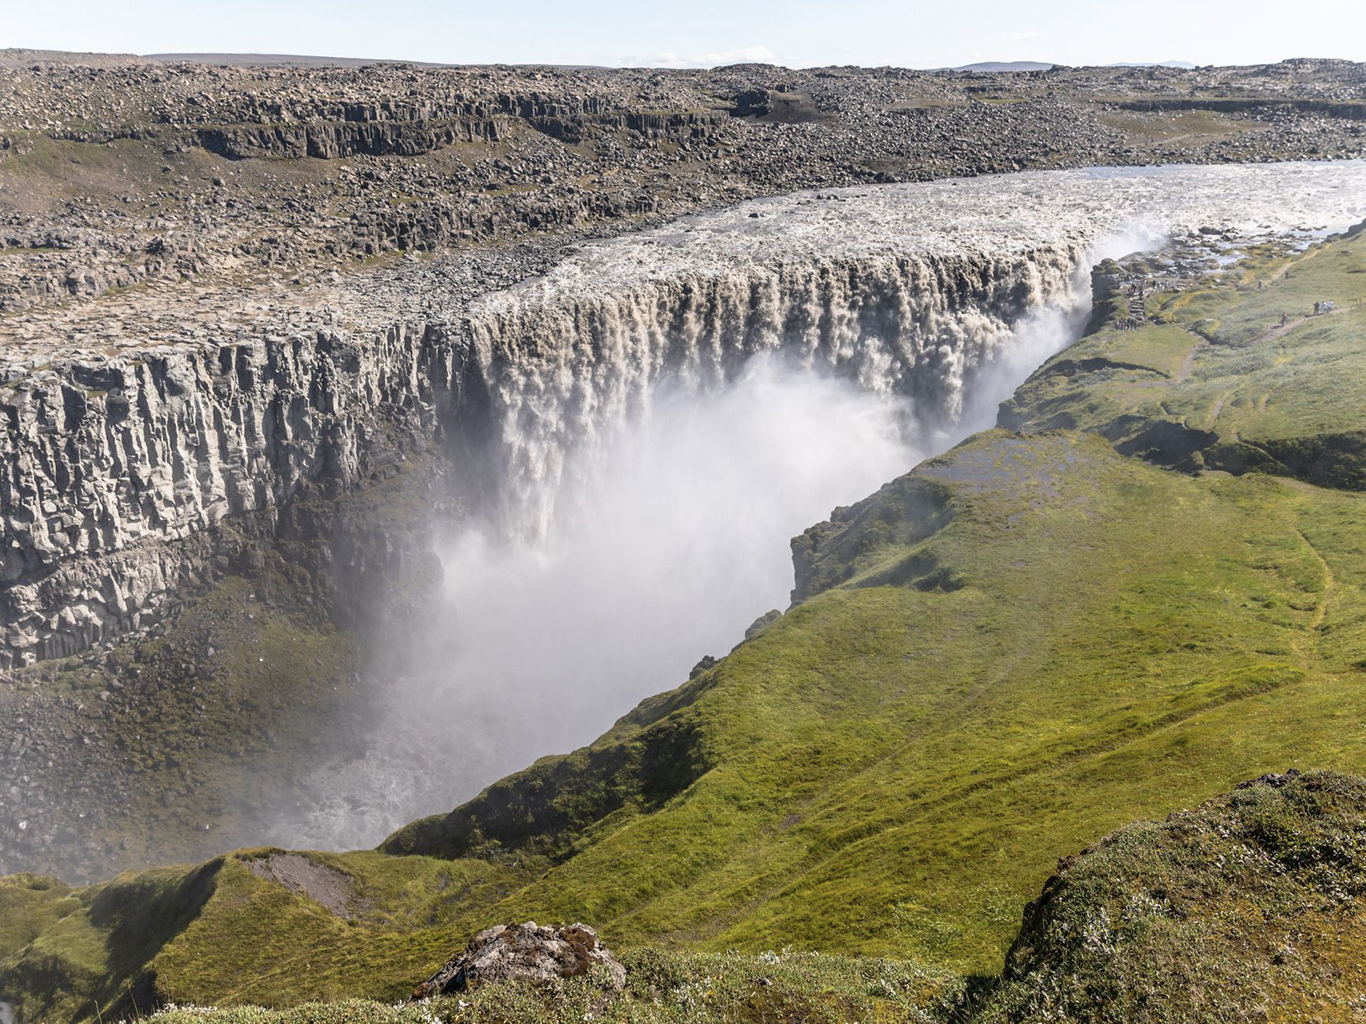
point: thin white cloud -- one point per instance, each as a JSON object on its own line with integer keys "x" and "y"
{"x": 745, "y": 55}
{"x": 1019, "y": 37}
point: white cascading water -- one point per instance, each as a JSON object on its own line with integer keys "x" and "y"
{"x": 670, "y": 407}
{"x": 566, "y": 374}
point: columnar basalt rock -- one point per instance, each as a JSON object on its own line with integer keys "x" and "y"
{"x": 329, "y": 141}
{"x": 113, "y": 475}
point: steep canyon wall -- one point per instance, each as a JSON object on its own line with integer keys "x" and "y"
{"x": 120, "y": 469}
{"x": 115, "y": 478}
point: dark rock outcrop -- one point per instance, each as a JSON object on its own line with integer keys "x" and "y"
{"x": 526, "y": 952}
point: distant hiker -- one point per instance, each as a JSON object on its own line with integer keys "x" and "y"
{"x": 1316, "y": 308}
{"x": 1285, "y": 317}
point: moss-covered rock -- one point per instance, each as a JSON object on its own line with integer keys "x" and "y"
{"x": 1249, "y": 908}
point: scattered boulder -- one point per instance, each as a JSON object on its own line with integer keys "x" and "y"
{"x": 763, "y": 620}
{"x": 525, "y": 952}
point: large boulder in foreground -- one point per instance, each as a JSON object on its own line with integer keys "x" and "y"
{"x": 525, "y": 952}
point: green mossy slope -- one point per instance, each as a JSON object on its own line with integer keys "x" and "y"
{"x": 1247, "y": 909}
{"x": 661, "y": 988}
{"x": 222, "y": 933}
{"x": 1215, "y": 380}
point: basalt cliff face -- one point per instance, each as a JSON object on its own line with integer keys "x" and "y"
{"x": 116, "y": 476}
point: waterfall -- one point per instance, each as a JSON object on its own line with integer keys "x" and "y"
{"x": 914, "y": 290}
{"x": 563, "y": 375}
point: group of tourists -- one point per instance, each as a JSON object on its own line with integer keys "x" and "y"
{"x": 1321, "y": 307}
{"x": 1141, "y": 288}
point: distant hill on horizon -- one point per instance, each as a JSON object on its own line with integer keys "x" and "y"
{"x": 23, "y": 56}
{"x": 15, "y": 57}
{"x": 1183, "y": 65}
{"x": 1005, "y": 67}
{"x": 273, "y": 60}
{"x": 997, "y": 66}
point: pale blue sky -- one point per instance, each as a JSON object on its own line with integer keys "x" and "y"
{"x": 799, "y": 33}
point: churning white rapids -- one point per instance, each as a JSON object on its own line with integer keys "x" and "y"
{"x": 669, "y": 408}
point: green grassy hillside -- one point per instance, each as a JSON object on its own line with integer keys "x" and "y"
{"x": 221, "y": 933}
{"x": 1247, "y": 909}
{"x": 1085, "y": 640}
{"x": 1026, "y": 643}
{"x": 661, "y": 988}
{"x": 1216, "y": 380}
